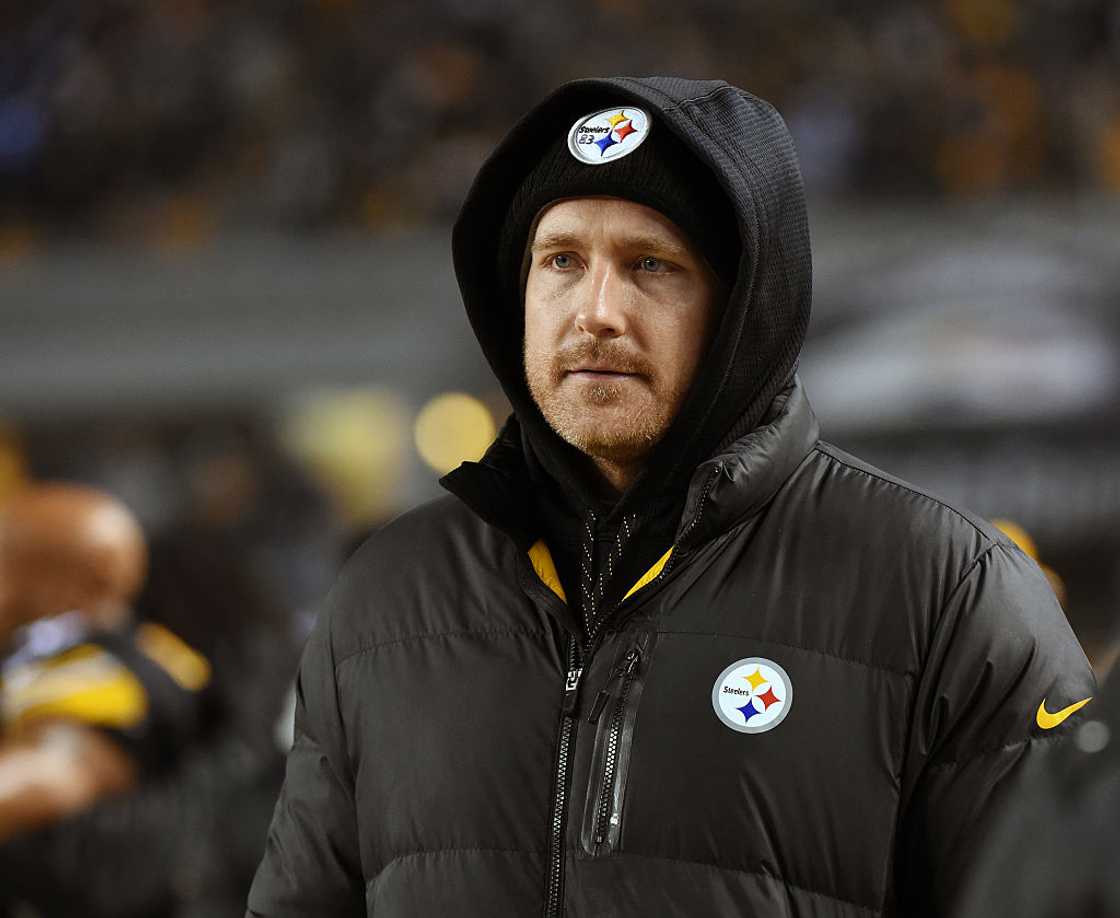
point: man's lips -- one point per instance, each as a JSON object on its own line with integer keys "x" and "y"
{"x": 598, "y": 373}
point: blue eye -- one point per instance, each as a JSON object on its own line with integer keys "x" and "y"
{"x": 561, "y": 261}
{"x": 651, "y": 264}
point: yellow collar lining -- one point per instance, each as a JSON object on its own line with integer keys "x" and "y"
{"x": 649, "y": 575}
{"x": 545, "y": 567}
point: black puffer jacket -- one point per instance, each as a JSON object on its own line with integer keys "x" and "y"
{"x": 808, "y": 705}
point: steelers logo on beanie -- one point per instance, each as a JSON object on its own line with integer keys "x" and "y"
{"x": 621, "y": 152}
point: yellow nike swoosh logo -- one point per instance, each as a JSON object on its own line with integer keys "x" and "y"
{"x": 1049, "y": 721}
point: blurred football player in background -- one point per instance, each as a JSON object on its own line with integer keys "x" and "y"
{"x": 137, "y": 774}
{"x": 1024, "y": 540}
{"x": 92, "y": 701}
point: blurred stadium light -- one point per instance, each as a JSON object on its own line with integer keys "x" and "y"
{"x": 453, "y": 428}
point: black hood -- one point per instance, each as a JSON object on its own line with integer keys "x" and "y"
{"x": 754, "y": 350}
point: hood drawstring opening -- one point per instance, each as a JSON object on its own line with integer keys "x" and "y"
{"x": 596, "y": 576}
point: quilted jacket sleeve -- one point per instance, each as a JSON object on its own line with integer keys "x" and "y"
{"x": 311, "y": 865}
{"x": 1054, "y": 853}
{"x": 1002, "y": 658}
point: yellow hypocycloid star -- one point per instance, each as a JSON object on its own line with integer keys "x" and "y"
{"x": 755, "y": 679}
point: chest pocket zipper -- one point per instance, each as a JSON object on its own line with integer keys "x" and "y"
{"x": 614, "y": 712}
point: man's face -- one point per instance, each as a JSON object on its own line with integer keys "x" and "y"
{"x": 618, "y": 305}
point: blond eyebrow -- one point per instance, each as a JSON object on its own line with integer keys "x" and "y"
{"x": 655, "y": 244}
{"x": 641, "y": 242}
{"x": 556, "y": 240}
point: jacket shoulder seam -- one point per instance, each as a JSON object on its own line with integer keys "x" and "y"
{"x": 957, "y": 587}
{"x": 756, "y": 873}
{"x": 894, "y": 671}
{"x": 433, "y": 635}
{"x": 965, "y": 574}
{"x": 826, "y": 450}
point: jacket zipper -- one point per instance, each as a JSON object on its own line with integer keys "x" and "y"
{"x": 605, "y": 817}
{"x": 554, "y": 896}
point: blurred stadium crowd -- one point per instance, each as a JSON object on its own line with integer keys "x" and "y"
{"x": 175, "y": 118}
{"x": 983, "y": 369}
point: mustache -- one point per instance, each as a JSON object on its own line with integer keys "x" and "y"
{"x": 613, "y": 355}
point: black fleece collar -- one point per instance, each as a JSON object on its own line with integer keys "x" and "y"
{"x": 724, "y": 490}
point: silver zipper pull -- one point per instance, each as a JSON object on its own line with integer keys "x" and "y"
{"x": 624, "y": 668}
{"x": 628, "y": 663}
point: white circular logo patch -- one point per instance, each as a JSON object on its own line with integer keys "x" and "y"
{"x": 753, "y": 695}
{"x": 608, "y": 135}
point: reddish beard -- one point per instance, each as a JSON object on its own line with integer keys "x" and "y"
{"x": 595, "y": 351}
{"x": 627, "y": 436}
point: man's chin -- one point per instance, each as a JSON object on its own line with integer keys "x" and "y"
{"x": 619, "y": 438}
{"x": 616, "y": 452}
{"x": 622, "y": 430}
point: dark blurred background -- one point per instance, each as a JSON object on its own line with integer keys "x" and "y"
{"x": 225, "y": 284}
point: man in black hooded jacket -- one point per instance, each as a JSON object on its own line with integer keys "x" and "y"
{"x": 685, "y": 660}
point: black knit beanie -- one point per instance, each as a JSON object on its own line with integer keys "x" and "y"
{"x": 660, "y": 172}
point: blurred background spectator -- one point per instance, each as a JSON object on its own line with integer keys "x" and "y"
{"x": 173, "y": 119}
{"x": 226, "y": 294}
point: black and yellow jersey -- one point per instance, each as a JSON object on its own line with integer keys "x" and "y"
{"x": 143, "y": 685}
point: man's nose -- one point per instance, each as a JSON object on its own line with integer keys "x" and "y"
{"x": 601, "y": 309}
